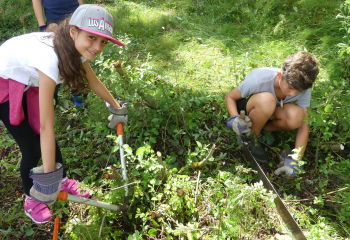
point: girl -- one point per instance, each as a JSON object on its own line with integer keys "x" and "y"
{"x": 40, "y": 61}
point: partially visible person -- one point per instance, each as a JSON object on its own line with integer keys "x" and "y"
{"x": 55, "y": 12}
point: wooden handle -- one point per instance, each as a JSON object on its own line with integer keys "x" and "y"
{"x": 120, "y": 129}
{"x": 242, "y": 114}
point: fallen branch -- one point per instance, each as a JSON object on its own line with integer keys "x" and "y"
{"x": 201, "y": 163}
{"x": 164, "y": 176}
{"x": 103, "y": 220}
{"x": 195, "y": 198}
{"x": 24, "y": 17}
{"x": 339, "y": 190}
{"x": 147, "y": 98}
{"x": 334, "y": 147}
{"x": 73, "y": 131}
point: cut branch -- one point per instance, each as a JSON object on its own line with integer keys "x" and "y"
{"x": 73, "y": 131}
{"x": 201, "y": 163}
{"x": 164, "y": 176}
{"x": 126, "y": 80}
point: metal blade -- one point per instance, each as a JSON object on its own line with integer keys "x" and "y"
{"x": 281, "y": 208}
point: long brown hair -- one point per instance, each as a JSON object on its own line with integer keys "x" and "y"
{"x": 69, "y": 61}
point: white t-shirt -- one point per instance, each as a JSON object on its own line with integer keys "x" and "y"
{"x": 21, "y": 57}
{"x": 262, "y": 80}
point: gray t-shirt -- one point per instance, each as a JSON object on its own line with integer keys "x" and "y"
{"x": 262, "y": 80}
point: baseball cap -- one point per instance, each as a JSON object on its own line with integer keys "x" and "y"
{"x": 96, "y": 20}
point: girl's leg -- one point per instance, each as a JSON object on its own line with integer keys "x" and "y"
{"x": 261, "y": 107}
{"x": 28, "y": 142}
{"x": 287, "y": 118}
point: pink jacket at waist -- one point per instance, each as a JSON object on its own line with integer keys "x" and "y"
{"x": 12, "y": 91}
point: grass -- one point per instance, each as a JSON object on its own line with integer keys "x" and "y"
{"x": 188, "y": 55}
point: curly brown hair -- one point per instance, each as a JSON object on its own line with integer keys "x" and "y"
{"x": 69, "y": 62}
{"x": 300, "y": 70}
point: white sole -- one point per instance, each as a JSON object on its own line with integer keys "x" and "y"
{"x": 28, "y": 215}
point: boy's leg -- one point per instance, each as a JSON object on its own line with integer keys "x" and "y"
{"x": 261, "y": 107}
{"x": 287, "y": 118}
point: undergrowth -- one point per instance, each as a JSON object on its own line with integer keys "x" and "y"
{"x": 187, "y": 55}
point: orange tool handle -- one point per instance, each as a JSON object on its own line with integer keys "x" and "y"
{"x": 62, "y": 196}
{"x": 56, "y": 228}
{"x": 120, "y": 129}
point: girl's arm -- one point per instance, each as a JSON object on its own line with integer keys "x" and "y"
{"x": 38, "y": 9}
{"x": 230, "y": 100}
{"x": 47, "y": 117}
{"x": 302, "y": 134}
{"x": 97, "y": 86}
{"x": 80, "y": 2}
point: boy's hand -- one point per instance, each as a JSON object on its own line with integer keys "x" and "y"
{"x": 46, "y": 186}
{"x": 238, "y": 125}
{"x": 118, "y": 115}
{"x": 288, "y": 167}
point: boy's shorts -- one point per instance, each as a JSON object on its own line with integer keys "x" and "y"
{"x": 242, "y": 104}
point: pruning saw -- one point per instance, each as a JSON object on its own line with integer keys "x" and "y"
{"x": 281, "y": 208}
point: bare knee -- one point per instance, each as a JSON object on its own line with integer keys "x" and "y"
{"x": 265, "y": 103}
{"x": 294, "y": 117}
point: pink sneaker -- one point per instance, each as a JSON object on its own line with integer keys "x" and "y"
{"x": 38, "y": 212}
{"x": 71, "y": 186}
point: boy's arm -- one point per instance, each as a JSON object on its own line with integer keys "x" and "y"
{"x": 97, "y": 86}
{"x": 230, "y": 100}
{"x": 38, "y": 9}
{"x": 302, "y": 135}
{"x": 80, "y": 2}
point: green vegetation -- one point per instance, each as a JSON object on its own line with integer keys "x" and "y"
{"x": 188, "y": 55}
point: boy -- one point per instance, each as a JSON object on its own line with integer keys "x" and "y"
{"x": 266, "y": 95}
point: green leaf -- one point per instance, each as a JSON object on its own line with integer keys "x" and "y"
{"x": 152, "y": 140}
{"x": 135, "y": 173}
{"x": 199, "y": 144}
{"x": 77, "y": 171}
{"x": 312, "y": 211}
{"x": 342, "y": 45}
{"x": 298, "y": 186}
{"x": 140, "y": 150}
{"x": 328, "y": 108}
{"x": 152, "y": 232}
{"x": 115, "y": 148}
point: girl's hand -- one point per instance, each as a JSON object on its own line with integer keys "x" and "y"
{"x": 116, "y": 104}
{"x": 118, "y": 114}
{"x": 46, "y": 186}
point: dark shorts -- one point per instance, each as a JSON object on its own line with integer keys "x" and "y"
{"x": 242, "y": 104}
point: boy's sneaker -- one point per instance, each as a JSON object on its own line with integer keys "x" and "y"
{"x": 71, "y": 186}
{"x": 38, "y": 212}
{"x": 255, "y": 148}
{"x": 258, "y": 151}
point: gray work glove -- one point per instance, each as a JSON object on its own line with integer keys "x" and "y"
{"x": 46, "y": 186}
{"x": 118, "y": 114}
{"x": 288, "y": 167}
{"x": 238, "y": 125}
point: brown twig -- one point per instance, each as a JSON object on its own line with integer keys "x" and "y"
{"x": 73, "y": 131}
{"x": 147, "y": 98}
{"x": 201, "y": 163}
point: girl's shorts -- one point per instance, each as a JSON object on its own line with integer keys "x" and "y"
{"x": 242, "y": 104}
